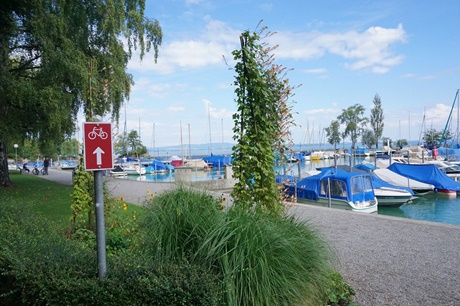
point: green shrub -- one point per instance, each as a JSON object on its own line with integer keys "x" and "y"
{"x": 265, "y": 259}
{"x": 338, "y": 291}
{"x": 40, "y": 267}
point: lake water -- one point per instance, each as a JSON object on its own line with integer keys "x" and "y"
{"x": 431, "y": 207}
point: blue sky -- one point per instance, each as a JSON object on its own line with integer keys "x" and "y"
{"x": 342, "y": 52}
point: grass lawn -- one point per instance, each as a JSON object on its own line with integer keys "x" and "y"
{"x": 48, "y": 198}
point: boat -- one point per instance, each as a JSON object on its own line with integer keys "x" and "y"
{"x": 336, "y": 188}
{"x": 419, "y": 188}
{"x": 430, "y": 174}
{"x": 118, "y": 171}
{"x": 386, "y": 193}
{"x": 133, "y": 168}
{"x": 361, "y": 151}
{"x": 68, "y": 164}
{"x": 155, "y": 166}
{"x": 217, "y": 160}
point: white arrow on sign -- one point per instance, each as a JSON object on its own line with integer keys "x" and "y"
{"x": 98, "y": 153}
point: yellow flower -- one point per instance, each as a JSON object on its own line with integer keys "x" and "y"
{"x": 125, "y": 206}
{"x": 122, "y": 198}
{"x": 134, "y": 217}
{"x": 152, "y": 195}
{"x": 148, "y": 191}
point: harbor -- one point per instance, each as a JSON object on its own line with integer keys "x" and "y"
{"x": 387, "y": 260}
{"x": 434, "y": 207}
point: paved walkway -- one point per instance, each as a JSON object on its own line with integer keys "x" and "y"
{"x": 387, "y": 260}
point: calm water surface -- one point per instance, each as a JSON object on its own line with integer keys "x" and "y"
{"x": 431, "y": 207}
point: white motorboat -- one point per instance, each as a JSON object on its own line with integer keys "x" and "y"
{"x": 396, "y": 179}
{"x": 133, "y": 169}
{"x": 388, "y": 196}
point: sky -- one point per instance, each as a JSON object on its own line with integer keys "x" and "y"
{"x": 341, "y": 53}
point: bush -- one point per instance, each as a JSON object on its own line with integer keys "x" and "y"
{"x": 39, "y": 267}
{"x": 265, "y": 259}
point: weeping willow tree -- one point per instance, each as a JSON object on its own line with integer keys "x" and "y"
{"x": 58, "y": 57}
{"x": 262, "y": 123}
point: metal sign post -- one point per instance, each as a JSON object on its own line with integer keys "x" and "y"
{"x": 98, "y": 157}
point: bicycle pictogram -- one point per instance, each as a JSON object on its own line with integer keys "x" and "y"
{"x": 97, "y": 131}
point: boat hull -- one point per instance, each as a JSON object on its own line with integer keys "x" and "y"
{"x": 366, "y": 207}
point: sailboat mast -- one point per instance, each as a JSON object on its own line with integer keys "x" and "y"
{"x": 209, "y": 123}
{"x": 153, "y": 141}
{"x": 222, "y": 124}
{"x": 189, "y": 146}
{"x": 448, "y": 120}
{"x": 181, "y": 144}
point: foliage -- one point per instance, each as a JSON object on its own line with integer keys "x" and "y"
{"x": 262, "y": 123}
{"x": 82, "y": 197}
{"x": 57, "y": 57}
{"x": 432, "y": 138}
{"x": 264, "y": 259}
{"x": 40, "y": 267}
{"x": 387, "y": 141}
{"x": 401, "y": 143}
{"x": 131, "y": 140}
{"x": 333, "y": 133}
{"x": 354, "y": 121}
{"x": 338, "y": 291}
{"x": 368, "y": 138}
{"x": 377, "y": 119}
{"x": 69, "y": 148}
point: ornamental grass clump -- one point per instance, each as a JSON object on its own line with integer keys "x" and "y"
{"x": 263, "y": 258}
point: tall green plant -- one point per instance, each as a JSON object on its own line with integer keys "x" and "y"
{"x": 82, "y": 196}
{"x": 263, "y": 258}
{"x": 262, "y": 123}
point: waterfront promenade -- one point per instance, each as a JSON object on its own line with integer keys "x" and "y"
{"x": 387, "y": 260}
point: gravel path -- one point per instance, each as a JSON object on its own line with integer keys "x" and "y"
{"x": 387, "y": 260}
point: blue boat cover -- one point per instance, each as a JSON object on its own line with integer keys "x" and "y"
{"x": 289, "y": 178}
{"x": 426, "y": 173}
{"x": 376, "y": 181}
{"x": 452, "y": 154}
{"x": 350, "y": 186}
{"x": 218, "y": 160}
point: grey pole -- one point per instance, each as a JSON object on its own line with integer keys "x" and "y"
{"x": 100, "y": 231}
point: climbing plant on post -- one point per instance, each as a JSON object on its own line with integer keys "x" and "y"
{"x": 261, "y": 123}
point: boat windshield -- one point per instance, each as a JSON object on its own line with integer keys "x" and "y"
{"x": 361, "y": 184}
{"x": 338, "y": 188}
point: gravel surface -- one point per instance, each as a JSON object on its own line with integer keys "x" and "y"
{"x": 387, "y": 260}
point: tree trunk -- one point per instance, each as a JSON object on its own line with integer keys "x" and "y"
{"x": 4, "y": 172}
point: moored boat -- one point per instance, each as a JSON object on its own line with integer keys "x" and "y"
{"x": 338, "y": 189}
{"x": 430, "y": 174}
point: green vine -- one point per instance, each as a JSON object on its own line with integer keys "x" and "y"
{"x": 82, "y": 198}
{"x": 262, "y": 123}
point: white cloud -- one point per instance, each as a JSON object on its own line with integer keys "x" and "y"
{"x": 370, "y": 49}
{"x": 216, "y": 113}
{"x": 315, "y": 71}
{"x": 176, "y": 109}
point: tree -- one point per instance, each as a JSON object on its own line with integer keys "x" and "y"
{"x": 57, "y": 57}
{"x": 387, "y": 141}
{"x": 70, "y": 147}
{"x": 368, "y": 138}
{"x": 401, "y": 143}
{"x": 377, "y": 119}
{"x": 354, "y": 121}
{"x": 333, "y": 133}
{"x": 432, "y": 138}
{"x": 262, "y": 118}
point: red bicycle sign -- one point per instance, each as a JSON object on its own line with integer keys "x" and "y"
{"x": 98, "y": 146}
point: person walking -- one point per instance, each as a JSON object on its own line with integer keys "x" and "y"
{"x": 46, "y": 164}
